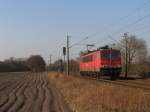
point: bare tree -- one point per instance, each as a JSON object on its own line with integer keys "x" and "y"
{"x": 147, "y": 65}
{"x": 134, "y": 50}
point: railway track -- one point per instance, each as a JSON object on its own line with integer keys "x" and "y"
{"x": 29, "y": 92}
{"x": 128, "y": 84}
{"x": 136, "y": 84}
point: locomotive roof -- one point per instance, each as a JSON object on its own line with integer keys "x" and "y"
{"x": 89, "y": 52}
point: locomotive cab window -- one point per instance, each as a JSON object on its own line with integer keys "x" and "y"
{"x": 112, "y": 55}
{"x": 87, "y": 58}
{"x": 115, "y": 54}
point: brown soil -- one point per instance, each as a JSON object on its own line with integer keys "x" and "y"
{"x": 29, "y": 92}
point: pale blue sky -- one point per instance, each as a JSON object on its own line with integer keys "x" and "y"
{"x": 40, "y": 26}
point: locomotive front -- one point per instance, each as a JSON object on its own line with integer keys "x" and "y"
{"x": 110, "y": 62}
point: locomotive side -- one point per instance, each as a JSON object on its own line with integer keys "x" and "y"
{"x": 102, "y": 62}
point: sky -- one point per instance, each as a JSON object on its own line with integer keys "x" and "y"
{"x": 30, "y": 27}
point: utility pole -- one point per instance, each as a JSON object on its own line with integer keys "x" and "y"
{"x": 50, "y": 60}
{"x": 126, "y": 54}
{"x": 68, "y": 55}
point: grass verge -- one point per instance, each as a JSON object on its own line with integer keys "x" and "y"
{"x": 85, "y": 95}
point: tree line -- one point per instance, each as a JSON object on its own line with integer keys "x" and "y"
{"x": 34, "y": 63}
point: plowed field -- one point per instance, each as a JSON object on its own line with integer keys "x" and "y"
{"x": 29, "y": 92}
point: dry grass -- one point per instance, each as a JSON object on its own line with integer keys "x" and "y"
{"x": 85, "y": 95}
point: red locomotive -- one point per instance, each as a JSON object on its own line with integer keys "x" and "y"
{"x": 102, "y": 62}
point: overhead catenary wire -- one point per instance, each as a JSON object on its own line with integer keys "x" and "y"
{"x": 122, "y": 18}
{"x": 140, "y": 27}
{"x": 129, "y": 25}
{"x": 77, "y": 43}
{"x": 136, "y": 10}
{"x": 143, "y": 33}
{"x": 110, "y": 37}
{"x": 122, "y": 28}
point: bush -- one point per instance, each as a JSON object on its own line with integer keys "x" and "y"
{"x": 36, "y": 63}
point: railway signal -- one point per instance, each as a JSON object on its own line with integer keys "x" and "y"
{"x": 68, "y": 47}
{"x": 64, "y": 53}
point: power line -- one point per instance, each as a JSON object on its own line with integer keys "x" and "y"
{"x": 136, "y": 10}
{"x": 77, "y": 43}
{"x": 110, "y": 37}
{"x": 137, "y": 28}
{"x": 122, "y": 18}
{"x": 137, "y": 21}
{"x": 142, "y": 33}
